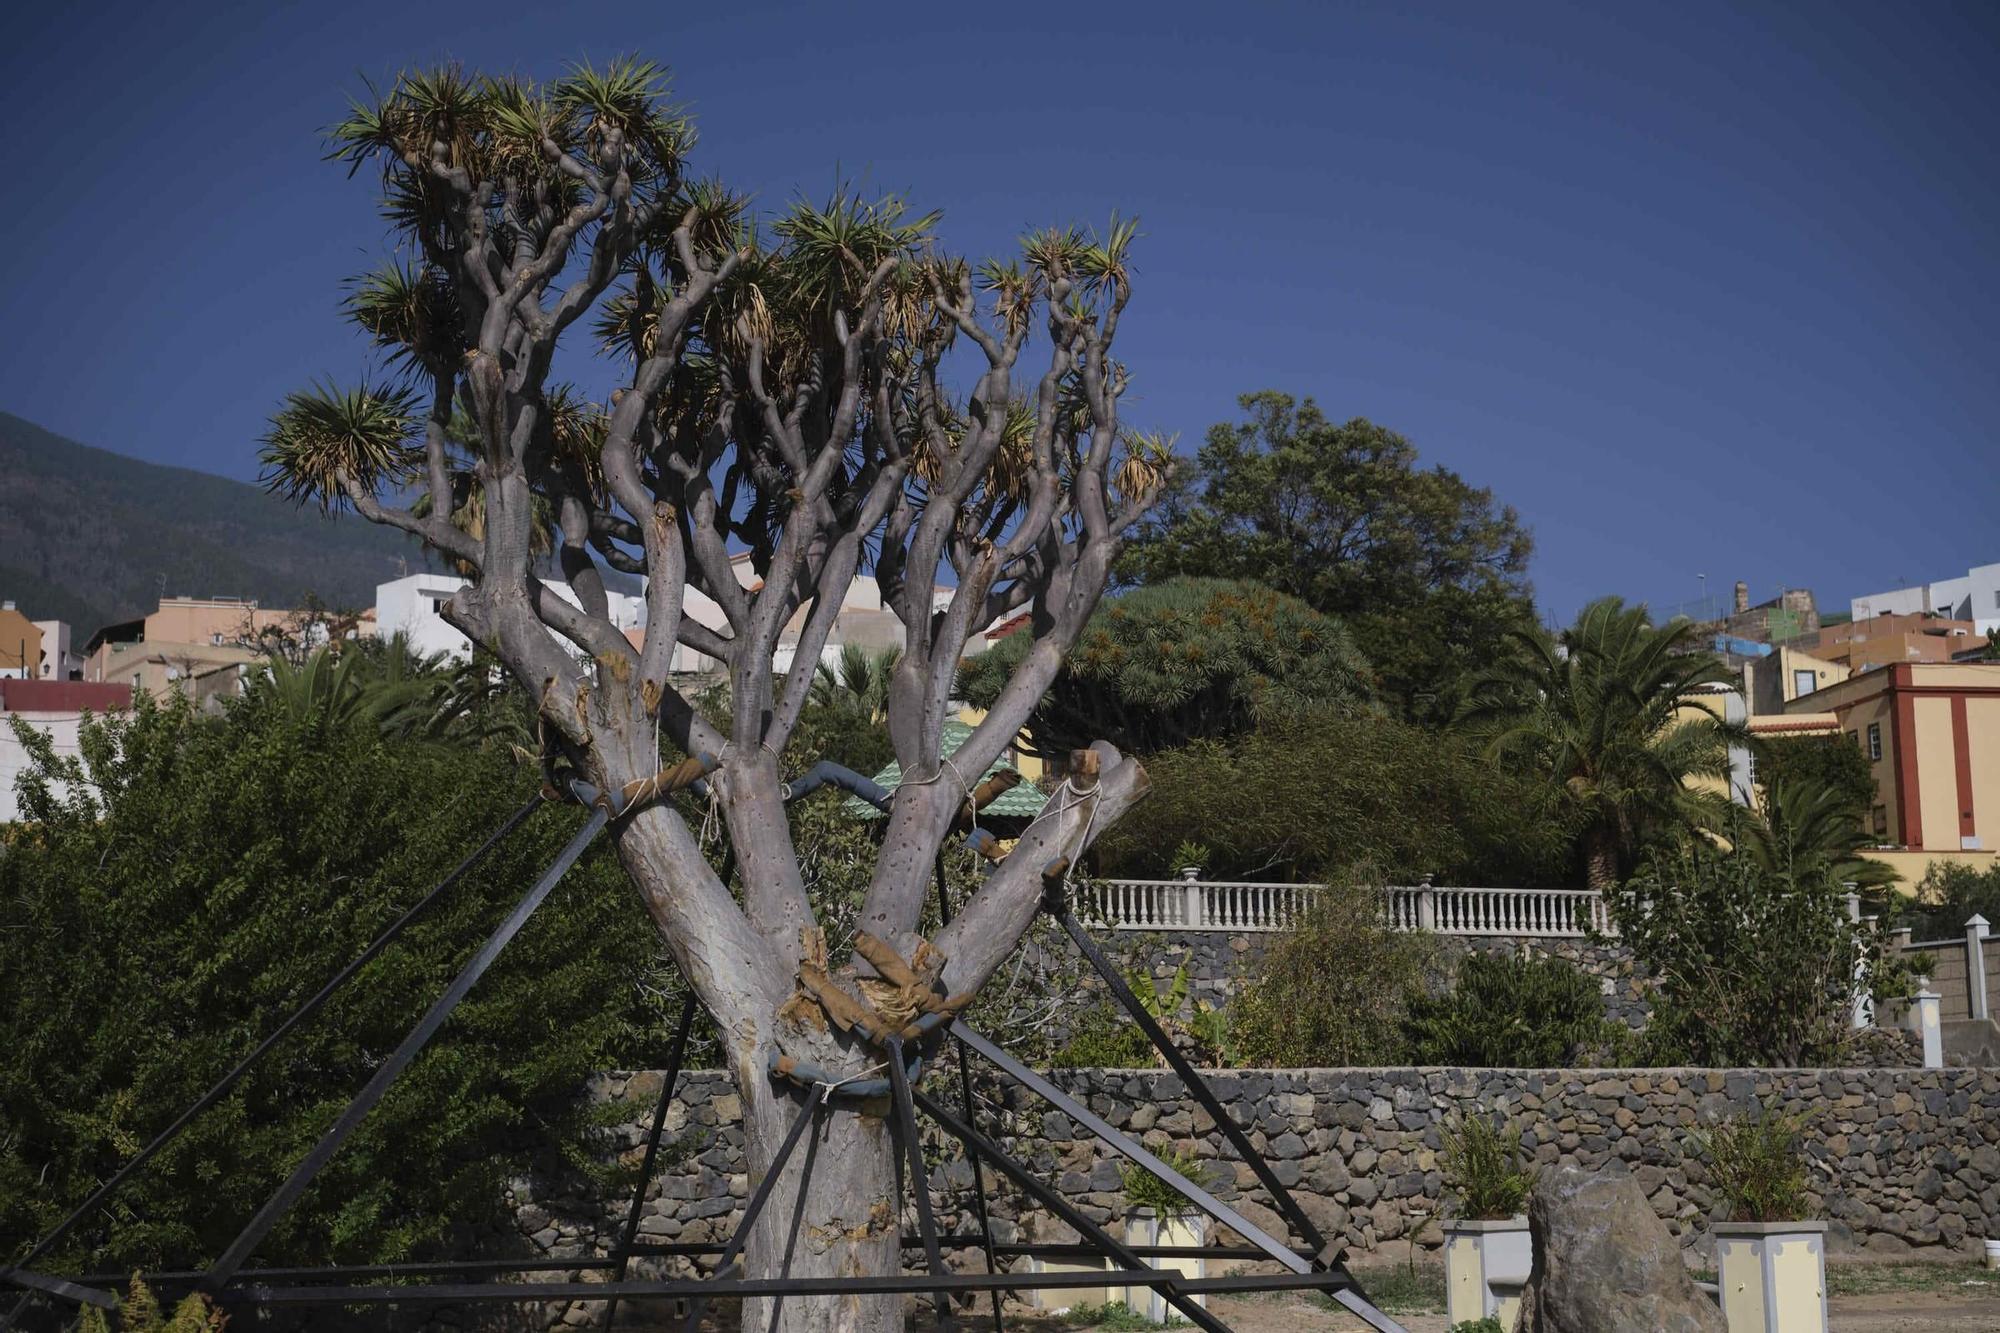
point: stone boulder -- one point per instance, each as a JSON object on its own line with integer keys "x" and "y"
{"x": 1605, "y": 1263}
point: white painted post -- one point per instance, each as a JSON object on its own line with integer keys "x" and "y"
{"x": 1191, "y": 897}
{"x": 1925, "y": 1013}
{"x": 1426, "y": 906}
{"x": 1900, "y": 940}
{"x": 1976, "y": 931}
{"x": 1862, "y": 1009}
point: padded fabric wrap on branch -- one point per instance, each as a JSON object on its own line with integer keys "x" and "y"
{"x": 890, "y": 1004}
{"x": 666, "y": 782}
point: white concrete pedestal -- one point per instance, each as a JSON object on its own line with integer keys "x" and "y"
{"x": 1478, "y": 1255}
{"x": 1143, "y": 1226}
{"x": 1772, "y": 1276}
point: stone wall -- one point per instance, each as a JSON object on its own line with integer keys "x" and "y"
{"x": 1903, "y": 1160}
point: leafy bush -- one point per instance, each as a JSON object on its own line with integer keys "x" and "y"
{"x": 1490, "y": 1324}
{"x": 193, "y": 882}
{"x": 1758, "y": 1166}
{"x": 1484, "y": 1167}
{"x": 1143, "y": 1189}
{"x": 1335, "y": 989}
{"x": 1947, "y": 896}
{"x": 1102, "y": 1039}
{"x": 1308, "y": 794}
{"x": 1510, "y": 1012}
{"x": 1755, "y": 965}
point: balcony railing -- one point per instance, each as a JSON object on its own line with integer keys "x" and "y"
{"x": 1194, "y": 904}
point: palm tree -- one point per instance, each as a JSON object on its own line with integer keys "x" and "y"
{"x": 860, "y": 683}
{"x": 1807, "y": 828}
{"x": 1608, "y": 711}
{"x": 332, "y": 689}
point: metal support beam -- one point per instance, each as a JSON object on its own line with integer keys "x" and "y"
{"x": 1132, "y": 1151}
{"x": 623, "y": 1255}
{"x": 322, "y": 1152}
{"x": 1053, "y": 1200}
{"x": 733, "y": 1251}
{"x": 56, "y": 1286}
{"x": 1197, "y": 1086}
{"x": 920, "y": 1179}
{"x": 967, "y": 1106}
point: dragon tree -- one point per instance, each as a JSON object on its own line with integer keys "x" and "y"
{"x": 826, "y": 389}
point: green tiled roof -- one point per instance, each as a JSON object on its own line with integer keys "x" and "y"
{"x": 1023, "y": 801}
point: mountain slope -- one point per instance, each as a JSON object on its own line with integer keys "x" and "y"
{"x": 91, "y": 537}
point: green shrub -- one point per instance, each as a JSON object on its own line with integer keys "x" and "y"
{"x": 1507, "y": 1011}
{"x": 1143, "y": 1189}
{"x": 1335, "y": 989}
{"x": 1484, "y": 1168}
{"x": 1102, "y": 1039}
{"x": 140, "y": 1312}
{"x": 1310, "y": 794}
{"x": 193, "y": 882}
{"x": 1947, "y": 895}
{"x": 1754, "y": 964}
{"x": 1758, "y": 1166}
{"x": 1489, "y": 1324}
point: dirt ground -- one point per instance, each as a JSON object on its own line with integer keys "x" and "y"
{"x": 1925, "y": 1298}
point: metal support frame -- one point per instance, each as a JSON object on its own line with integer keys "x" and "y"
{"x": 920, "y": 1178}
{"x": 1340, "y": 1285}
{"x": 1322, "y": 1271}
{"x": 1196, "y": 1085}
{"x": 733, "y": 1252}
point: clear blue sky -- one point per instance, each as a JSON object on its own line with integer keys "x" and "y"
{"x": 1698, "y": 290}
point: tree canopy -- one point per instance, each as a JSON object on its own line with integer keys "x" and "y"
{"x": 1425, "y": 568}
{"x": 1178, "y": 661}
{"x": 1610, "y": 713}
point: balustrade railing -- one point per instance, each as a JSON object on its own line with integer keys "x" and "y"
{"x": 1192, "y": 904}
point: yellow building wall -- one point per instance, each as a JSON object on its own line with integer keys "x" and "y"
{"x": 1028, "y": 766}
{"x": 1982, "y": 733}
{"x": 1855, "y": 721}
{"x": 1937, "y": 772}
{"x": 1911, "y": 867}
{"x": 1825, "y": 673}
{"x": 20, "y": 644}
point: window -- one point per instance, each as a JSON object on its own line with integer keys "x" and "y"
{"x": 1855, "y": 736}
{"x": 1804, "y": 682}
{"x": 1881, "y": 821}
{"x": 1874, "y": 740}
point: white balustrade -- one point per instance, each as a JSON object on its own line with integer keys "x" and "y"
{"x": 1231, "y": 905}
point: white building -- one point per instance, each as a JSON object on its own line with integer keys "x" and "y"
{"x": 60, "y": 660}
{"x": 55, "y": 708}
{"x": 413, "y": 608}
{"x": 1975, "y": 597}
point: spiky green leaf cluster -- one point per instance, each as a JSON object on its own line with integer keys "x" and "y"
{"x": 326, "y": 438}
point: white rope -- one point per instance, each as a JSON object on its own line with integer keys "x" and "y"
{"x": 944, "y": 762}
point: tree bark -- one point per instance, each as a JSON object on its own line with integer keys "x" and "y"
{"x": 845, "y": 1222}
{"x": 1600, "y": 859}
